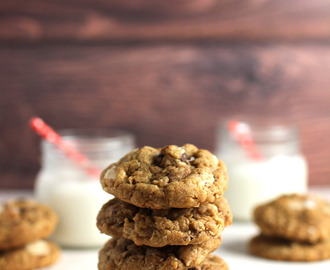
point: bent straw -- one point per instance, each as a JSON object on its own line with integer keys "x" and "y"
{"x": 47, "y": 133}
{"x": 244, "y": 139}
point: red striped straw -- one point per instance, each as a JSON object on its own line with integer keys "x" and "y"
{"x": 47, "y": 133}
{"x": 243, "y": 137}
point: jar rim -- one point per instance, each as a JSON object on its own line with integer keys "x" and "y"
{"x": 88, "y": 139}
{"x": 84, "y": 133}
{"x": 262, "y": 130}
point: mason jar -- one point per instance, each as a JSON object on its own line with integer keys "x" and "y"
{"x": 70, "y": 191}
{"x": 263, "y": 160}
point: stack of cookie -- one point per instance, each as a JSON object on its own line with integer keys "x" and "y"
{"x": 168, "y": 212}
{"x": 24, "y": 224}
{"x": 293, "y": 227}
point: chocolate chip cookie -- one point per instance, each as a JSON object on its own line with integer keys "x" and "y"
{"x": 158, "y": 228}
{"x": 34, "y": 255}
{"x": 304, "y": 218}
{"x": 24, "y": 221}
{"x": 123, "y": 254}
{"x": 282, "y": 249}
{"x": 169, "y": 177}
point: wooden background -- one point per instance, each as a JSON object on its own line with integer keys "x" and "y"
{"x": 169, "y": 71}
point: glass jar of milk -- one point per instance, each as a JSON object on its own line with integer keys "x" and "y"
{"x": 279, "y": 169}
{"x": 74, "y": 195}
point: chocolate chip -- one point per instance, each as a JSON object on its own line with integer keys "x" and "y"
{"x": 184, "y": 157}
{"x": 193, "y": 268}
{"x": 158, "y": 159}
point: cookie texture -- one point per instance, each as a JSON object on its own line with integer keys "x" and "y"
{"x": 158, "y": 228}
{"x": 297, "y": 217}
{"x": 282, "y": 249}
{"x": 24, "y": 221}
{"x": 34, "y": 255}
{"x": 211, "y": 262}
{"x": 123, "y": 254}
{"x": 169, "y": 177}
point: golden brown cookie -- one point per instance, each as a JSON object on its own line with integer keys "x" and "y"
{"x": 24, "y": 221}
{"x": 158, "y": 228}
{"x": 295, "y": 217}
{"x": 37, "y": 254}
{"x": 170, "y": 177}
{"x": 123, "y": 254}
{"x": 286, "y": 250}
{"x": 211, "y": 262}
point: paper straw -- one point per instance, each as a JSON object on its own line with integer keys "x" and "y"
{"x": 243, "y": 137}
{"x": 47, "y": 133}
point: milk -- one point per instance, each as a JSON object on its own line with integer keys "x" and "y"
{"x": 77, "y": 203}
{"x": 74, "y": 194}
{"x": 279, "y": 167}
{"x": 252, "y": 182}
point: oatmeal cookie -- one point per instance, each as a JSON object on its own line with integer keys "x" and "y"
{"x": 158, "y": 228}
{"x": 170, "y": 177}
{"x": 37, "y": 254}
{"x": 304, "y": 218}
{"x": 211, "y": 262}
{"x": 282, "y": 249}
{"x": 24, "y": 221}
{"x": 123, "y": 254}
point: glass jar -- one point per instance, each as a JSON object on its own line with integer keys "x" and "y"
{"x": 271, "y": 165}
{"x": 73, "y": 194}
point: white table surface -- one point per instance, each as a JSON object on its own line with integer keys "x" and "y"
{"x": 233, "y": 249}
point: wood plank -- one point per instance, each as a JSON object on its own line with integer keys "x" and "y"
{"x": 164, "y": 94}
{"x": 140, "y": 20}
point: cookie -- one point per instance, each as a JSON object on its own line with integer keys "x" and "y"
{"x": 123, "y": 254}
{"x": 34, "y": 255}
{"x": 211, "y": 262}
{"x": 24, "y": 221}
{"x": 282, "y": 249}
{"x": 170, "y": 177}
{"x": 295, "y": 217}
{"x": 158, "y": 228}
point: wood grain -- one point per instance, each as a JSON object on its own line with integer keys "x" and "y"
{"x": 163, "y": 93}
{"x": 184, "y": 20}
